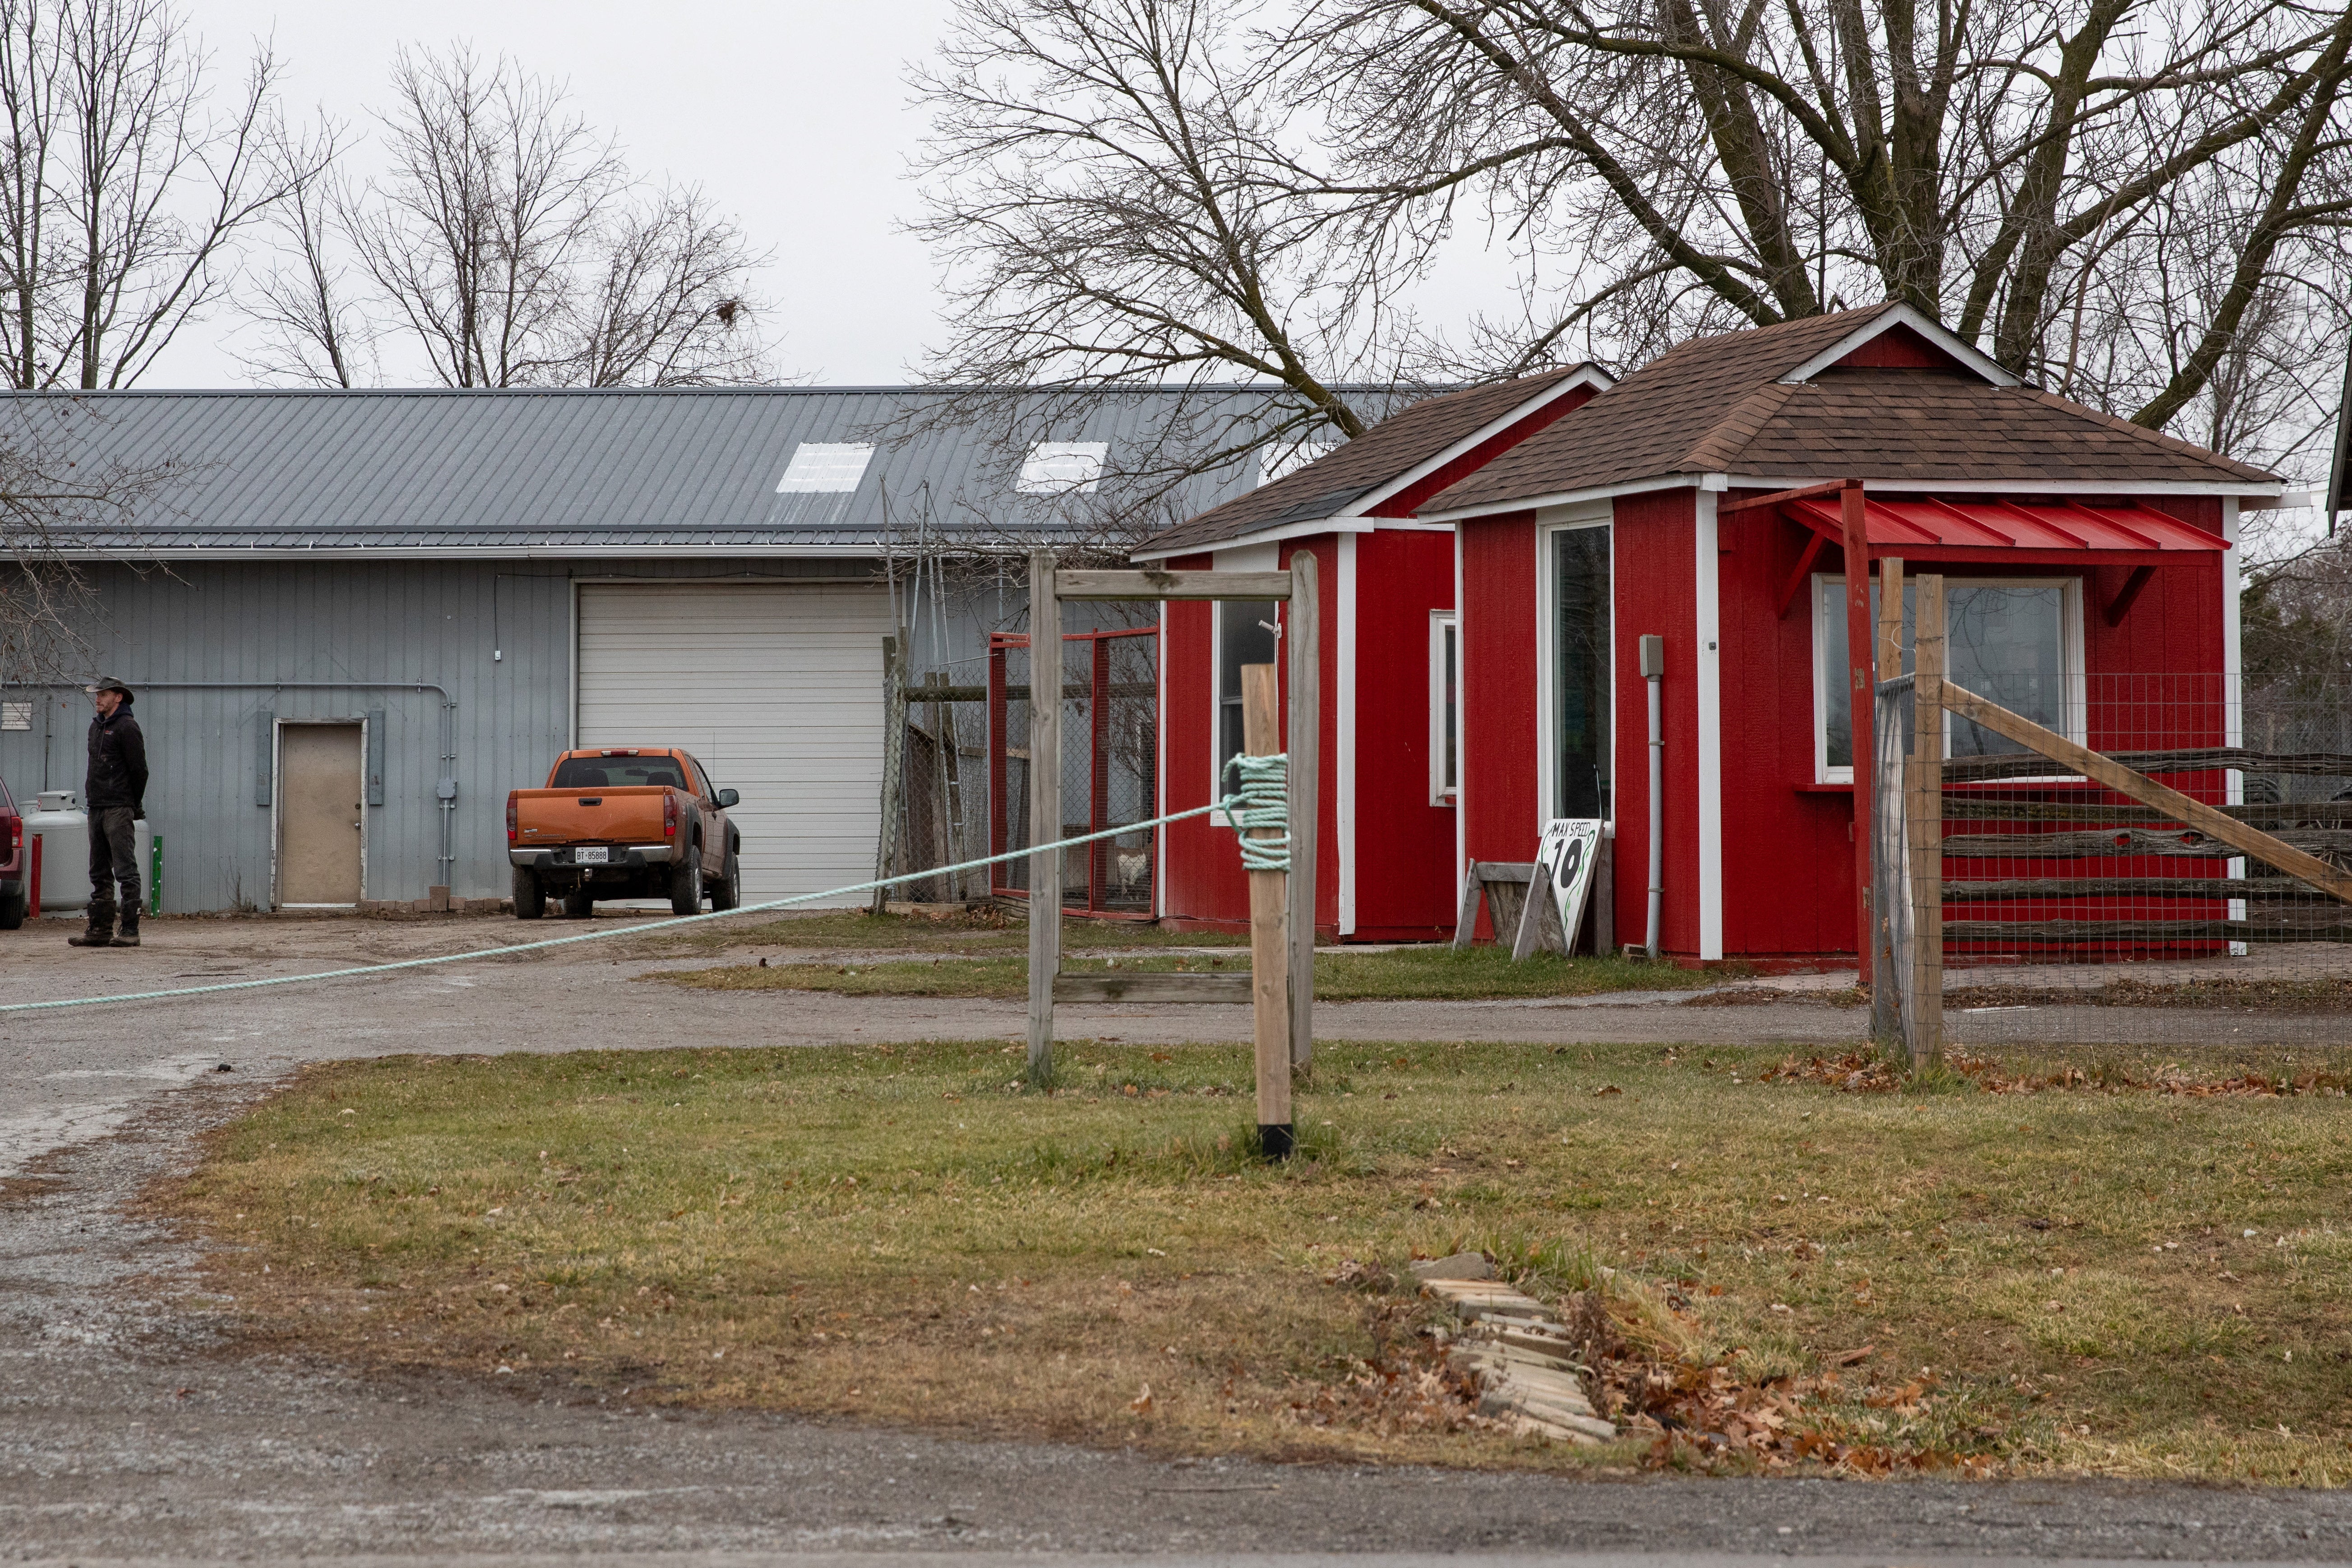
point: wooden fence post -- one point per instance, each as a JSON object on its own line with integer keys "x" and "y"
{"x": 894, "y": 762}
{"x": 1269, "y": 950}
{"x": 1305, "y": 747}
{"x": 1923, "y": 1010}
{"x": 1861, "y": 700}
{"x": 1044, "y": 811}
{"x": 1886, "y": 1013}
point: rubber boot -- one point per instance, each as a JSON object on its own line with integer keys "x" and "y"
{"x": 130, "y": 936}
{"x": 100, "y": 934}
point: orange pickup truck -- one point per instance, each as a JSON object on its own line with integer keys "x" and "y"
{"x": 637, "y": 821}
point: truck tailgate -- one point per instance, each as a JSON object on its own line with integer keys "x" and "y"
{"x": 547, "y": 818}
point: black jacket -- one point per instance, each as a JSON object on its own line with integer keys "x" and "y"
{"x": 118, "y": 762}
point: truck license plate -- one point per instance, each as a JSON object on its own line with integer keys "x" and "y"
{"x": 599, "y": 856}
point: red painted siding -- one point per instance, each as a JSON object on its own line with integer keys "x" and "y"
{"x": 1404, "y": 846}
{"x": 1200, "y": 879}
{"x": 1788, "y": 872}
{"x": 1203, "y": 877}
{"x": 1899, "y": 348}
{"x": 1502, "y": 816}
{"x": 1655, "y": 594}
{"x": 1402, "y": 504}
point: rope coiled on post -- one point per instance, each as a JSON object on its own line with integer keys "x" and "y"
{"x": 1261, "y": 800}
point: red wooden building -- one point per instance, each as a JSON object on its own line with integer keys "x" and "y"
{"x": 2075, "y": 545}
{"x": 1388, "y": 837}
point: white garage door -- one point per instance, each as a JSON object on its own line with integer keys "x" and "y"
{"x": 776, "y": 687}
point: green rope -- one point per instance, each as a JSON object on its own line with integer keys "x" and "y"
{"x": 1262, "y": 800}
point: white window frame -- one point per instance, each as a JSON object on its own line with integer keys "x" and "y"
{"x": 1586, "y": 515}
{"x": 1445, "y": 628}
{"x": 2070, "y": 657}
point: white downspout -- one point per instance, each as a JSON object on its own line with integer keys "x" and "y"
{"x": 1654, "y": 669}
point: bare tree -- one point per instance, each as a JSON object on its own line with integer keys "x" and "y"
{"x": 667, "y": 308}
{"x": 121, "y": 192}
{"x": 2013, "y": 168}
{"x": 56, "y": 507}
{"x": 1118, "y": 197}
{"x": 513, "y": 247}
{"x": 312, "y": 329}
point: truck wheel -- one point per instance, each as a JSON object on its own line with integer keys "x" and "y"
{"x": 12, "y": 910}
{"x": 686, "y": 883}
{"x": 580, "y": 904}
{"x": 727, "y": 892}
{"x": 529, "y": 898}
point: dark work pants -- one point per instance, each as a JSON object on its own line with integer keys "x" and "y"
{"x": 113, "y": 861}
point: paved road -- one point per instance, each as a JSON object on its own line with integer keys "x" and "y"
{"x": 130, "y": 1432}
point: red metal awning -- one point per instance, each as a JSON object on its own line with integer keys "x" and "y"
{"x": 1971, "y": 524}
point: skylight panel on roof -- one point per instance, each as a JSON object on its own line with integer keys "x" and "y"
{"x": 1061, "y": 468}
{"x": 820, "y": 467}
{"x": 1274, "y": 465}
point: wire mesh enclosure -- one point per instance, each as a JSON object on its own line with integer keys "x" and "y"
{"x": 1110, "y": 685}
{"x": 2085, "y": 901}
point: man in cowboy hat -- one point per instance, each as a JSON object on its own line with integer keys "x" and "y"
{"x": 113, "y": 791}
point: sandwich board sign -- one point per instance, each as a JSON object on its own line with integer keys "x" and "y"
{"x": 1565, "y": 858}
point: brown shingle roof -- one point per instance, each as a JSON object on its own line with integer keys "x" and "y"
{"x": 1716, "y": 405}
{"x": 1390, "y": 450}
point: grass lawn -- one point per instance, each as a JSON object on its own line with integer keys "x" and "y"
{"x": 2152, "y": 1282}
{"x": 981, "y": 932}
{"x": 1432, "y": 972}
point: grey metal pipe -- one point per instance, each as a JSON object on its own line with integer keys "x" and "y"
{"x": 1654, "y": 669}
{"x": 446, "y": 788}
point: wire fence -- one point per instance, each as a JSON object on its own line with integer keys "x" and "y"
{"x": 2074, "y": 915}
{"x": 1110, "y": 748}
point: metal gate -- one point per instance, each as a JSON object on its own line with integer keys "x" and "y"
{"x": 1110, "y": 766}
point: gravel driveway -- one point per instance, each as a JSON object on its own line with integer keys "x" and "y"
{"x": 131, "y": 1432}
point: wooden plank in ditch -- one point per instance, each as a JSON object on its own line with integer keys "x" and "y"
{"x": 2250, "y": 841}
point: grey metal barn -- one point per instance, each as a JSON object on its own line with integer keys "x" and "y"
{"x": 418, "y": 597}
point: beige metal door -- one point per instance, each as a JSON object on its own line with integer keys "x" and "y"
{"x": 320, "y": 815}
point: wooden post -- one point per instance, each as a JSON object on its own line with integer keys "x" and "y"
{"x": 1044, "y": 811}
{"x": 1923, "y": 1009}
{"x": 1886, "y": 1014}
{"x": 1305, "y": 637}
{"x": 1859, "y": 703}
{"x": 894, "y": 762}
{"x": 1269, "y": 953}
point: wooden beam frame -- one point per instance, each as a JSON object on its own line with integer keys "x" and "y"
{"x": 1861, "y": 709}
{"x": 1815, "y": 543}
{"x": 1049, "y": 588}
{"x": 1097, "y": 586}
{"x": 2120, "y": 606}
{"x": 2247, "y": 840}
{"x": 1777, "y": 497}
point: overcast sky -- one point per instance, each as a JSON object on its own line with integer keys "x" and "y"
{"x": 793, "y": 113}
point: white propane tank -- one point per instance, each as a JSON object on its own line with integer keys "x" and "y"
{"x": 63, "y": 828}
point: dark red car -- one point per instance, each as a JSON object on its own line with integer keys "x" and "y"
{"x": 15, "y": 863}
